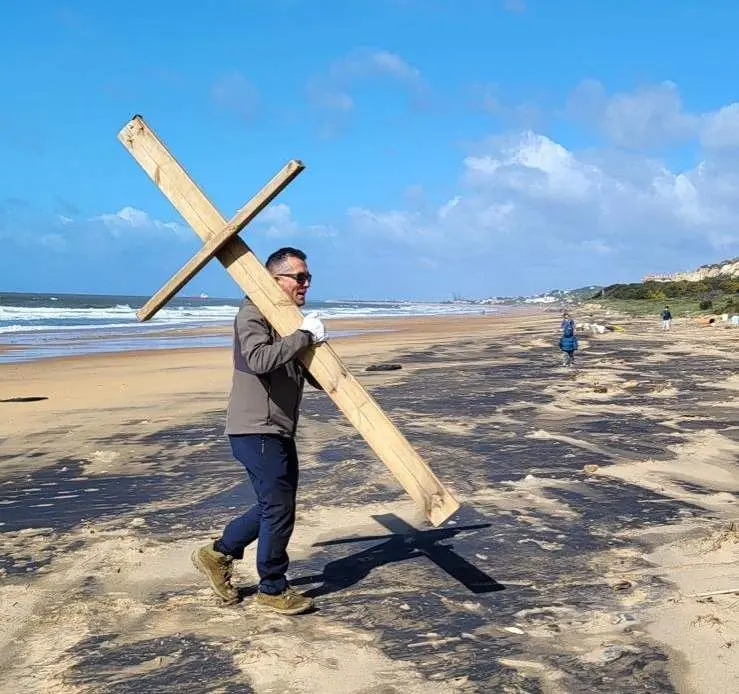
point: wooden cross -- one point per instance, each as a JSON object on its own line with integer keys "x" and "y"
{"x": 220, "y": 240}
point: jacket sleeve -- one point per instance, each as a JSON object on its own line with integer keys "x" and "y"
{"x": 261, "y": 353}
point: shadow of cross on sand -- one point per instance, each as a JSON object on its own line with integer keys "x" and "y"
{"x": 405, "y": 542}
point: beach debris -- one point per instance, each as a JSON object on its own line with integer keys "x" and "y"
{"x": 706, "y": 620}
{"x": 592, "y": 328}
{"x": 514, "y": 630}
{"x": 621, "y": 585}
{"x": 383, "y": 367}
{"x": 612, "y": 652}
{"x": 597, "y": 388}
{"x": 591, "y": 468}
{"x": 482, "y": 556}
{"x": 542, "y": 544}
{"x": 728, "y": 591}
{"x": 137, "y": 522}
{"x": 433, "y": 639}
{"x": 105, "y": 456}
{"x": 629, "y": 384}
{"x": 31, "y": 398}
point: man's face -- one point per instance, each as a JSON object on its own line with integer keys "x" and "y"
{"x": 290, "y": 272}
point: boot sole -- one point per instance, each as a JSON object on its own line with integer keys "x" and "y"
{"x": 194, "y": 557}
{"x": 290, "y": 611}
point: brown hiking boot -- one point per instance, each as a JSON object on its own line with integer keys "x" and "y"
{"x": 216, "y": 567}
{"x": 289, "y": 601}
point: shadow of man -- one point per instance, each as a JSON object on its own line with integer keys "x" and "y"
{"x": 405, "y": 542}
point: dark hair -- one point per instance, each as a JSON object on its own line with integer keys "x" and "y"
{"x": 281, "y": 254}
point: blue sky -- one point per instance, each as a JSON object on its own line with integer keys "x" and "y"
{"x": 469, "y": 147}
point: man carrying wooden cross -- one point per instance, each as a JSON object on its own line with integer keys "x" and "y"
{"x": 262, "y": 417}
{"x": 284, "y": 346}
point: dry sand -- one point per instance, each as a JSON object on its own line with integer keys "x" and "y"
{"x": 598, "y": 505}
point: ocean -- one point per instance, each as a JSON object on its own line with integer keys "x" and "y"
{"x": 36, "y": 326}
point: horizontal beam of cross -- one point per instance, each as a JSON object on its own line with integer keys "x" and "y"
{"x": 324, "y": 364}
{"x": 214, "y": 244}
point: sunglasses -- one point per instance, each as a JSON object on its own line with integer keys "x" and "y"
{"x": 300, "y": 277}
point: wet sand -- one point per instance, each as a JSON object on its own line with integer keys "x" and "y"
{"x": 598, "y": 504}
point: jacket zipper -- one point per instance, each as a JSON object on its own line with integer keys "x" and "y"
{"x": 299, "y": 373}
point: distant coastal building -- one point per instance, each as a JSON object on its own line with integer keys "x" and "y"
{"x": 654, "y": 277}
{"x": 727, "y": 268}
{"x": 541, "y": 299}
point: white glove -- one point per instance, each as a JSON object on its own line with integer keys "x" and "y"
{"x": 312, "y": 324}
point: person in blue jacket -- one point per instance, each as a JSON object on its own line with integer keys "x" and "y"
{"x": 567, "y": 319}
{"x": 568, "y": 342}
{"x": 666, "y": 318}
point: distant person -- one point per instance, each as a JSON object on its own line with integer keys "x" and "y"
{"x": 262, "y": 417}
{"x": 568, "y": 343}
{"x": 567, "y": 320}
{"x": 666, "y": 318}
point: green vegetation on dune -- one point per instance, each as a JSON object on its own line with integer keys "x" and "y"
{"x": 712, "y": 295}
{"x": 651, "y": 307}
{"x": 713, "y": 266}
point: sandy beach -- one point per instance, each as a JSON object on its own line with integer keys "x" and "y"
{"x": 596, "y": 549}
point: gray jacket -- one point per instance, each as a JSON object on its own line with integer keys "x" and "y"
{"x": 268, "y": 377}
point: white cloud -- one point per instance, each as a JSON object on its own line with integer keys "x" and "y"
{"x": 333, "y": 90}
{"x": 721, "y": 129}
{"x": 277, "y": 221}
{"x": 527, "y": 201}
{"x": 651, "y": 116}
{"x": 446, "y": 208}
{"x": 366, "y": 63}
{"x": 383, "y": 63}
{"x": 129, "y": 218}
{"x": 395, "y": 224}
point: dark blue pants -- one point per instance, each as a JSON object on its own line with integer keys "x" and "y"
{"x": 272, "y": 465}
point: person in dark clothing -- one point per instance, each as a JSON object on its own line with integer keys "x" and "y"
{"x": 568, "y": 343}
{"x": 567, "y": 320}
{"x": 261, "y": 421}
{"x": 666, "y": 318}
